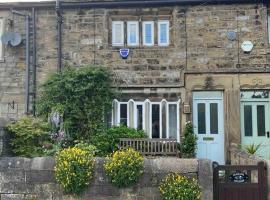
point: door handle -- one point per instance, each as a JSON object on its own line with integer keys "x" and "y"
{"x": 268, "y": 134}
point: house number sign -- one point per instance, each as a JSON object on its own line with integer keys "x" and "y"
{"x": 238, "y": 177}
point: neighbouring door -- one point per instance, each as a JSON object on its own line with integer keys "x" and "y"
{"x": 208, "y": 121}
{"x": 255, "y": 125}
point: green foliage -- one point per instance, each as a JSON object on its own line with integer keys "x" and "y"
{"x": 90, "y": 149}
{"x": 177, "y": 187}
{"x": 252, "y": 148}
{"x": 74, "y": 169}
{"x": 124, "y": 167}
{"x": 28, "y": 135}
{"x": 107, "y": 143}
{"x": 189, "y": 142}
{"x": 82, "y": 96}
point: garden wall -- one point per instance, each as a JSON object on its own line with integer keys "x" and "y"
{"x": 241, "y": 157}
{"x": 23, "y": 178}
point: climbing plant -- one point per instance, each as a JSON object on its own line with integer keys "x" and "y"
{"x": 82, "y": 96}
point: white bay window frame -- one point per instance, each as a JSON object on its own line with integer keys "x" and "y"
{"x": 129, "y": 24}
{"x": 115, "y": 41}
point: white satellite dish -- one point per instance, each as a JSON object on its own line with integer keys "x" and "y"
{"x": 12, "y": 38}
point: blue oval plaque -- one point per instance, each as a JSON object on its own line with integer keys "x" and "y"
{"x": 124, "y": 53}
{"x": 238, "y": 177}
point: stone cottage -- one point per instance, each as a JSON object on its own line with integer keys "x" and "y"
{"x": 174, "y": 60}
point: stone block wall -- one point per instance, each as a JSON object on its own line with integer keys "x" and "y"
{"x": 22, "y": 178}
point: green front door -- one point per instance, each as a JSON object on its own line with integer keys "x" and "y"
{"x": 255, "y": 124}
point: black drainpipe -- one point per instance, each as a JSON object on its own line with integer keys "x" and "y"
{"x": 34, "y": 61}
{"x": 59, "y": 35}
{"x": 27, "y": 58}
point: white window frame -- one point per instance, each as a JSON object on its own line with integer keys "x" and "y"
{"x": 136, "y": 23}
{"x": 168, "y": 32}
{"x": 2, "y": 25}
{"x": 136, "y": 115}
{"x": 114, "y": 43}
{"x": 160, "y": 118}
{"x": 118, "y": 112}
{"x": 178, "y": 119}
{"x": 152, "y": 33}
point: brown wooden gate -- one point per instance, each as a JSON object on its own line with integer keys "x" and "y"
{"x": 240, "y": 182}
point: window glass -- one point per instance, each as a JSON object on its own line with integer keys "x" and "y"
{"x": 148, "y": 33}
{"x": 118, "y": 33}
{"x": 123, "y": 114}
{"x": 139, "y": 117}
{"x": 261, "y": 120}
{"x": 163, "y": 33}
{"x": 248, "y": 120}
{"x": 214, "y": 118}
{"x": 172, "y": 121}
{"x": 155, "y": 121}
{"x": 164, "y": 118}
{"x": 1, "y": 44}
{"x": 201, "y": 119}
{"x": 132, "y": 33}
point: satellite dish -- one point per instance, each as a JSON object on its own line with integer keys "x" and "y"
{"x": 16, "y": 39}
{"x": 12, "y": 38}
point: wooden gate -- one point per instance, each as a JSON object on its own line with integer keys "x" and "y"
{"x": 240, "y": 182}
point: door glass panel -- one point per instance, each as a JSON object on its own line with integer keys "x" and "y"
{"x": 248, "y": 120}
{"x": 201, "y": 118}
{"x": 139, "y": 117}
{"x": 261, "y": 120}
{"x": 173, "y": 121}
{"x": 155, "y": 121}
{"x": 213, "y": 118}
{"x": 123, "y": 114}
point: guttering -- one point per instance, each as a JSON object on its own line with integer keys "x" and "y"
{"x": 27, "y": 58}
{"x": 59, "y": 35}
{"x": 124, "y": 3}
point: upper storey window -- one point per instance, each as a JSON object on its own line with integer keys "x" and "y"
{"x": 132, "y": 33}
{"x": 135, "y": 33}
{"x": 1, "y": 44}
{"x": 117, "y": 33}
{"x": 148, "y": 33}
{"x": 163, "y": 33}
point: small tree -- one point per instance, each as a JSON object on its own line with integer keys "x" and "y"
{"x": 82, "y": 96}
{"x": 189, "y": 142}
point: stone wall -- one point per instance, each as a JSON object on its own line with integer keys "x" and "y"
{"x": 241, "y": 157}
{"x": 22, "y": 178}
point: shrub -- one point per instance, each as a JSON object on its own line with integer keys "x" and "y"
{"x": 107, "y": 143}
{"x": 81, "y": 96}
{"x": 124, "y": 167}
{"x": 28, "y": 135}
{"x": 177, "y": 187}
{"x": 252, "y": 148}
{"x": 74, "y": 169}
{"x": 189, "y": 142}
{"x": 90, "y": 149}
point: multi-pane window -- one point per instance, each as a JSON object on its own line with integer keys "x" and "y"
{"x": 158, "y": 119}
{"x": 117, "y": 33}
{"x": 128, "y": 33}
{"x": 132, "y": 33}
{"x": 163, "y": 33}
{"x": 148, "y": 33}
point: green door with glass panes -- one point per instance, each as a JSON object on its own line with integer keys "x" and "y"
{"x": 255, "y": 123}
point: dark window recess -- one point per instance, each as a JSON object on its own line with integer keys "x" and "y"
{"x": 261, "y": 120}
{"x": 139, "y": 117}
{"x": 123, "y": 114}
{"x": 155, "y": 121}
{"x": 248, "y": 120}
{"x": 201, "y": 119}
{"x": 214, "y": 118}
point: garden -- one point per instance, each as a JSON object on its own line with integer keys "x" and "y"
{"x": 71, "y": 126}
